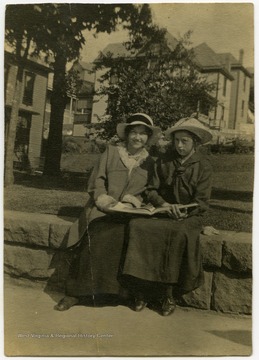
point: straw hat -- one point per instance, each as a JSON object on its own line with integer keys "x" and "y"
{"x": 138, "y": 119}
{"x": 192, "y": 125}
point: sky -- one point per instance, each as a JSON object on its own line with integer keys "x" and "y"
{"x": 225, "y": 27}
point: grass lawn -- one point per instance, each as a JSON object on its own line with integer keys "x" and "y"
{"x": 233, "y": 171}
{"x": 231, "y": 203}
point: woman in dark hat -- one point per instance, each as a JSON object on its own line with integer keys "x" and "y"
{"x": 122, "y": 174}
{"x": 163, "y": 257}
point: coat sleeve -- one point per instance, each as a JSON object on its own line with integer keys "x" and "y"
{"x": 97, "y": 186}
{"x": 203, "y": 188}
{"x": 152, "y": 192}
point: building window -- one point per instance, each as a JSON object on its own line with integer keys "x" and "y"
{"x": 155, "y": 49}
{"x": 222, "y": 113}
{"x": 244, "y": 83}
{"x": 22, "y": 139}
{"x": 6, "y": 74}
{"x": 28, "y": 88}
{"x": 225, "y": 87}
{"x": 152, "y": 63}
{"x": 114, "y": 79}
{"x": 84, "y": 105}
{"x": 242, "y": 108}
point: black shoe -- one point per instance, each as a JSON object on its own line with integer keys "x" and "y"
{"x": 168, "y": 306}
{"x": 139, "y": 305}
{"x": 66, "y": 303}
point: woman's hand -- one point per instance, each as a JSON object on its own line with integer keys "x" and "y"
{"x": 131, "y": 199}
{"x": 175, "y": 212}
{"x": 128, "y": 205}
{"x": 104, "y": 202}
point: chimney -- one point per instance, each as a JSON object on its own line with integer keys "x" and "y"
{"x": 241, "y": 56}
{"x": 227, "y": 63}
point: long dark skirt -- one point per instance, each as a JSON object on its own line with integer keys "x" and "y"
{"x": 162, "y": 250}
{"x": 98, "y": 266}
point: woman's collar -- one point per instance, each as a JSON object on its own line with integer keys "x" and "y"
{"x": 140, "y": 152}
{"x": 195, "y": 157}
{"x": 183, "y": 160}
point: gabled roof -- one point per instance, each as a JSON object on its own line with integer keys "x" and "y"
{"x": 205, "y": 56}
{"x": 226, "y": 58}
{"x": 207, "y": 60}
{"x": 86, "y": 66}
{"x": 171, "y": 41}
{"x": 118, "y": 50}
{"x": 35, "y": 62}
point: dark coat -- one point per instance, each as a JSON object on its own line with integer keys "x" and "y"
{"x": 182, "y": 183}
{"x": 164, "y": 250}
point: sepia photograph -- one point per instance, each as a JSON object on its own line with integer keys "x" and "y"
{"x": 128, "y": 179}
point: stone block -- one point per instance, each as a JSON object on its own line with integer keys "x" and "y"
{"x": 25, "y": 262}
{"x": 62, "y": 231}
{"x": 232, "y": 294}
{"x": 201, "y": 297}
{"x": 237, "y": 253}
{"x": 211, "y": 247}
{"x": 58, "y": 235}
{"x": 26, "y": 229}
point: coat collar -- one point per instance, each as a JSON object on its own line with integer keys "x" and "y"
{"x": 196, "y": 157}
{"x": 172, "y": 156}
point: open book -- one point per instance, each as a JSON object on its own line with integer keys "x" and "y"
{"x": 147, "y": 209}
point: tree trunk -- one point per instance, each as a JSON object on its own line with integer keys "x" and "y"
{"x": 10, "y": 140}
{"x": 58, "y": 103}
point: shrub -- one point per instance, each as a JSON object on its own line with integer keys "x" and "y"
{"x": 234, "y": 146}
{"x": 101, "y": 146}
{"x": 70, "y": 145}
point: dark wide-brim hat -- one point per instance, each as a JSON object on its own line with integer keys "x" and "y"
{"x": 139, "y": 119}
{"x": 193, "y": 126}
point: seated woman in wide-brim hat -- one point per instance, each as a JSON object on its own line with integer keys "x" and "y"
{"x": 163, "y": 257}
{"x": 122, "y": 174}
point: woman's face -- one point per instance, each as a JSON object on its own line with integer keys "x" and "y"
{"x": 137, "y": 138}
{"x": 183, "y": 143}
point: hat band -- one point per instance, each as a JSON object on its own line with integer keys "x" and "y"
{"x": 141, "y": 118}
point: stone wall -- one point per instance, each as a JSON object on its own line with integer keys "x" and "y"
{"x": 227, "y": 261}
{"x": 36, "y": 248}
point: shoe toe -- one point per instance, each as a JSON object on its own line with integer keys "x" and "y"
{"x": 139, "y": 305}
{"x": 168, "y": 306}
{"x": 66, "y": 303}
{"x": 61, "y": 307}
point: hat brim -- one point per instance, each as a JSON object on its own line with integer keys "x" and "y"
{"x": 204, "y": 135}
{"x": 152, "y": 139}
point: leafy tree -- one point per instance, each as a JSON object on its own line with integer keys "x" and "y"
{"x": 74, "y": 83}
{"x": 63, "y": 36}
{"x": 57, "y": 31}
{"x": 159, "y": 80}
